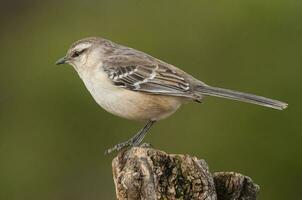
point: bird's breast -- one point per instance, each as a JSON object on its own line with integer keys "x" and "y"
{"x": 129, "y": 104}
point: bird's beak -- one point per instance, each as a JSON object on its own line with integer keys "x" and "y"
{"x": 62, "y": 61}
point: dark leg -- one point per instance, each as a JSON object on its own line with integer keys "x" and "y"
{"x": 134, "y": 141}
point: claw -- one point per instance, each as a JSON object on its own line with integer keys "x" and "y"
{"x": 145, "y": 145}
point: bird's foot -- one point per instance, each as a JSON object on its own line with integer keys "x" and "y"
{"x": 118, "y": 147}
{"x": 136, "y": 140}
{"x": 128, "y": 143}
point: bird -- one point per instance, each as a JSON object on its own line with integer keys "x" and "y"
{"x": 137, "y": 86}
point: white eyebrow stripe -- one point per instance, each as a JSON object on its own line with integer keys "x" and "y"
{"x": 82, "y": 46}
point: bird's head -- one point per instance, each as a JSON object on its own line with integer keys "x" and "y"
{"x": 85, "y": 53}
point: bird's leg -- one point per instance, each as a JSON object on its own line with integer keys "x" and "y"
{"x": 134, "y": 141}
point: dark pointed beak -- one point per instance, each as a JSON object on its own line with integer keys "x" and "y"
{"x": 61, "y": 61}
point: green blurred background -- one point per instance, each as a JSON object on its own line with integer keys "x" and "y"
{"x": 53, "y": 134}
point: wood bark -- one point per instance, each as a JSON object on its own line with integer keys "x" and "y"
{"x": 149, "y": 174}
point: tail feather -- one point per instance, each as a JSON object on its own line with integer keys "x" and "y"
{"x": 240, "y": 96}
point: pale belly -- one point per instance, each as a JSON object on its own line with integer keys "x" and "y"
{"x": 130, "y": 104}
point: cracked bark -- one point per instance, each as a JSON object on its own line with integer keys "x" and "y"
{"x": 150, "y": 174}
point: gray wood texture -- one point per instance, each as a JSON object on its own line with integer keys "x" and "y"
{"x": 149, "y": 174}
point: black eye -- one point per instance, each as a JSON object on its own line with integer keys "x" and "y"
{"x": 77, "y": 53}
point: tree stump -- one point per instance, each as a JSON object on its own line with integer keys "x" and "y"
{"x": 148, "y": 174}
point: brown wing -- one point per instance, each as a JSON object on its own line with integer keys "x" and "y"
{"x": 155, "y": 78}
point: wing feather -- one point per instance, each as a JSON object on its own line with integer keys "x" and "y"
{"x": 149, "y": 77}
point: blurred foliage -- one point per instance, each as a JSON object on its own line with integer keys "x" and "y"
{"x": 53, "y": 134}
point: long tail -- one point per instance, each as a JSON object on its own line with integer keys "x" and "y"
{"x": 240, "y": 96}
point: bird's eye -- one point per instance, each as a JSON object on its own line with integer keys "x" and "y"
{"x": 77, "y": 53}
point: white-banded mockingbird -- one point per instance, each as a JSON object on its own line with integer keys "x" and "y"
{"x": 134, "y": 85}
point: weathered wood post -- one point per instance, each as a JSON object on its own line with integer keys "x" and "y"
{"x": 149, "y": 174}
